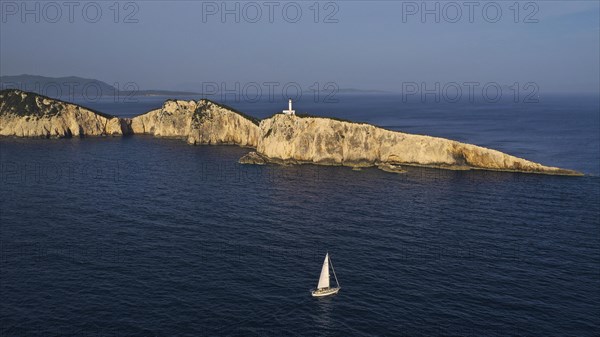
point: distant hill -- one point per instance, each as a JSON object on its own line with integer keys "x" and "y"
{"x": 72, "y": 86}
{"x": 56, "y": 86}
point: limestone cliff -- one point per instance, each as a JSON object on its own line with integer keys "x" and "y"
{"x": 295, "y": 139}
{"x": 24, "y": 114}
{"x": 199, "y": 122}
{"x": 279, "y": 139}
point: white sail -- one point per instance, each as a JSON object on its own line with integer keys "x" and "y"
{"x": 324, "y": 278}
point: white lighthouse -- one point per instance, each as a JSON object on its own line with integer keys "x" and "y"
{"x": 289, "y": 111}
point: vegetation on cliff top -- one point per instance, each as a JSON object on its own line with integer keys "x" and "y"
{"x": 14, "y": 103}
{"x": 248, "y": 117}
{"x": 252, "y": 119}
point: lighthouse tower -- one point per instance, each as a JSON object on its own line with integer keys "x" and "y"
{"x": 289, "y": 111}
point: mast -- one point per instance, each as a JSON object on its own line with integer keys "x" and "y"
{"x": 336, "y": 280}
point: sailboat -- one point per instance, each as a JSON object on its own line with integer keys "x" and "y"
{"x": 323, "y": 288}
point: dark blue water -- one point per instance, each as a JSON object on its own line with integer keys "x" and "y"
{"x": 153, "y": 237}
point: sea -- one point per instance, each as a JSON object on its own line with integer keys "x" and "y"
{"x": 142, "y": 236}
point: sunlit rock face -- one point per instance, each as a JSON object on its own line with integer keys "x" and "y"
{"x": 198, "y": 122}
{"x": 295, "y": 139}
{"x": 25, "y": 114}
{"x": 283, "y": 139}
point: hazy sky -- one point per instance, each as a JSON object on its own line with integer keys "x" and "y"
{"x": 373, "y": 44}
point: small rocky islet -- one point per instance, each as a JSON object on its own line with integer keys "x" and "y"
{"x": 280, "y": 139}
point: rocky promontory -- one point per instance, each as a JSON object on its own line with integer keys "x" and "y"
{"x": 324, "y": 141}
{"x": 25, "y": 114}
{"x": 198, "y": 122}
{"x": 280, "y": 139}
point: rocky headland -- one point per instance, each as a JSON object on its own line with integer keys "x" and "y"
{"x": 25, "y": 114}
{"x": 198, "y": 122}
{"x": 280, "y": 139}
{"x": 324, "y": 141}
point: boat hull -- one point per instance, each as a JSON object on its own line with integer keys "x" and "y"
{"x": 325, "y": 292}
